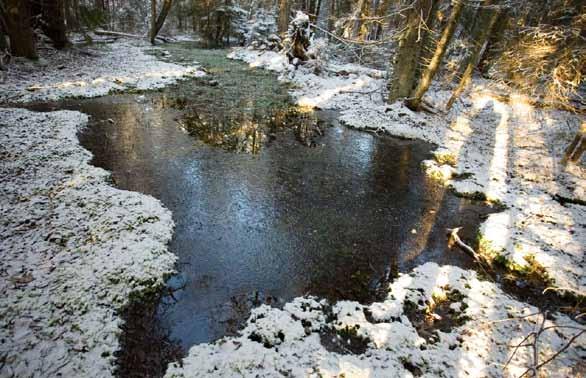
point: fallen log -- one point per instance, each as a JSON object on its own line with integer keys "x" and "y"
{"x": 111, "y": 33}
{"x": 116, "y": 34}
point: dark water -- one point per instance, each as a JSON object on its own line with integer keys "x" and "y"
{"x": 269, "y": 204}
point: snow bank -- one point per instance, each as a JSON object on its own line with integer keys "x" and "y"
{"x": 73, "y": 73}
{"x": 73, "y": 249}
{"x": 488, "y": 148}
{"x": 401, "y": 335}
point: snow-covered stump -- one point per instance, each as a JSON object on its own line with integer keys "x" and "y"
{"x": 298, "y": 39}
{"x": 73, "y": 249}
{"x": 436, "y": 321}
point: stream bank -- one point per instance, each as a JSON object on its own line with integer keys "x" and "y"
{"x": 269, "y": 200}
{"x": 138, "y": 129}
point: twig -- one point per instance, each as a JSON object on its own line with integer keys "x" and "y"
{"x": 453, "y": 234}
{"x": 534, "y": 344}
{"x": 560, "y": 351}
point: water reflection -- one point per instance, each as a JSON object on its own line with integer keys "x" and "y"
{"x": 249, "y": 132}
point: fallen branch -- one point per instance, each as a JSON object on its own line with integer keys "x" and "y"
{"x": 453, "y": 235}
{"x": 567, "y": 289}
{"x": 128, "y": 35}
{"x": 117, "y": 34}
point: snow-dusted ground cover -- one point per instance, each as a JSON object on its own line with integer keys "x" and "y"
{"x": 73, "y": 249}
{"x": 508, "y": 152}
{"x": 73, "y": 73}
{"x": 399, "y": 333}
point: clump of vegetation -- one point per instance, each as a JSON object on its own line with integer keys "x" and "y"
{"x": 445, "y": 157}
{"x": 437, "y": 315}
{"x": 411, "y": 367}
{"x": 268, "y": 343}
{"x": 344, "y": 340}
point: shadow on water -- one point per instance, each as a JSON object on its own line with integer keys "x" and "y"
{"x": 270, "y": 202}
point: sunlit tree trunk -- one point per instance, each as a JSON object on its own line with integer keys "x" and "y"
{"x": 16, "y": 15}
{"x": 428, "y": 74}
{"x": 406, "y": 58}
{"x": 483, "y": 29}
{"x": 576, "y": 149}
{"x": 427, "y": 36}
{"x": 156, "y": 26}
{"x": 284, "y": 10}
{"x": 360, "y": 12}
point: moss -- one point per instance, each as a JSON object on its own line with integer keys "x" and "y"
{"x": 462, "y": 176}
{"x": 533, "y": 273}
{"x": 445, "y": 157}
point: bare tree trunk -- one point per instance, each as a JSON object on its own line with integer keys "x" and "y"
{"x": 283, "y": 22}
{"x": 360, "y": 12}
{"x": 428, "y": 38}
{"x": 156, "y": 27}
{"x": 576, "y": 149}
{"x": 414, "y": 102}
{"x": 153, "y": 19}
{"x": 16, "y": 15}
{"x": 406, "y": 59}
{"x": 485, "y": 26}
{"x": 380, "y": 9}
{"x": 323, "y": 17}
{"x": 54, "y": 22}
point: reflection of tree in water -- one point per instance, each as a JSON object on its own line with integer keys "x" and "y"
{"x": 244, "y": 132}
{"x": 234, "y": 133}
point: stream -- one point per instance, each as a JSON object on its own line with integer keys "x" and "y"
{"x": 269, "y": 202}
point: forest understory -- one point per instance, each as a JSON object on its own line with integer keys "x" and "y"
{"x": 76, "y": 250}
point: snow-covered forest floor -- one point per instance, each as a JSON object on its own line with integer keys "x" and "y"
{"x": 74, "y": 248}
{"x": 89, "y": 72}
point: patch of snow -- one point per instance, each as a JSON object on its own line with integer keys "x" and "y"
{"x": 73, "y": 249}
{"x": 117, "y": 67}
{"x": 288, "y": 342}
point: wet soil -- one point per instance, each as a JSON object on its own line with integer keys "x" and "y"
{"x": 270, "y": 202}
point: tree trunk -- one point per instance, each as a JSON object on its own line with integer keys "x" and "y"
{"x": 53, "y": 24}
{"x": 156, "y": 27}
{"x": 153, "y": 20}
{"x": 323, "y": 17}
{"x": 427, "y": 39}
{"x": 483, "y": 30}
{"x": 16, "y": 16}
{"x": 405, "y": 61}
{"x": 360, "y": 12}
{"x": 283, "y": 22}
{"x": 576, "y": 149}
{"x": 414, "y": 102}
{"x": 380, "y": 10}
